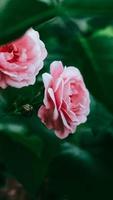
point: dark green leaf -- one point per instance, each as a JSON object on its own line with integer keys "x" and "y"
{"x": 87, "y": 8}
{"x": 84, "y": 165}
{"x": 26, "y": 149}
{"x": 22, "y": 161}
{"x": 99, "y": 22}
{"x": 16, "y": 16}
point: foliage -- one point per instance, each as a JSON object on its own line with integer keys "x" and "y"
{"x": 80, "y": 33}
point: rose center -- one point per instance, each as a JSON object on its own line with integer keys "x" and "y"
{"x": 13, "y": 52}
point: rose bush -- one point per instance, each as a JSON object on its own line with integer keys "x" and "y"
{"x": 66, "y": 99}
{"x": 21, "y": 60}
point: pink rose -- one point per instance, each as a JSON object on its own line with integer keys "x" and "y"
{"x": 21, "y": 60}
{"x": 66, "y": 100}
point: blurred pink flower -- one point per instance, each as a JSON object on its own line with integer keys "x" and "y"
{"x": 21, "y": 60}
{"x": 66, "y": 100}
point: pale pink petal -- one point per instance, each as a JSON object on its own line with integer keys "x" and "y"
{"x": 65, "y": 121}
{"x": 70, "y": 72}
{"x": 62, "y": 134}
{"x": 56, "y": 68}
{"x": 59, "y": 93}
{"x": 55, "y": 111}
{"x": 47, "y": 78}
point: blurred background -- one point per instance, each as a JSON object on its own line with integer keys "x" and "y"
{"x": 34, "y": 164}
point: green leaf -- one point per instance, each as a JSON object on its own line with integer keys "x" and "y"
{"x": 26, "y": 149}
{"x": 22, "y": 158}
{"x": 84, "y": 166}
{"x": 76, "y": 173}
{"x": 87, "y": 8}
{"x": 99, "y": 22}
{"x": 100, "y": 45}
{"x": 96, "y": 64}
{"x": 16, "y": 17}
